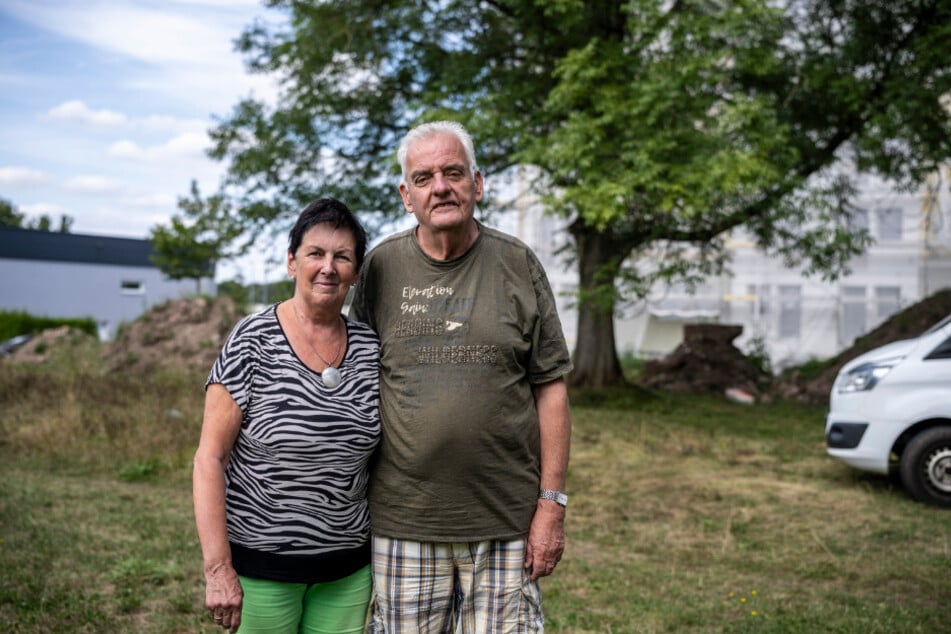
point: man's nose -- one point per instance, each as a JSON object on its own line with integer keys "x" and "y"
{"x": 440, "y": 183}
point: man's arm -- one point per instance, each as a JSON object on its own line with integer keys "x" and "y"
{"x": 546, "y": 537}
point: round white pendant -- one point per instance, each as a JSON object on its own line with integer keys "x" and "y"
{"x": 331, "y": 377}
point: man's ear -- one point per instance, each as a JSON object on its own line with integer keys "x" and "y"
{"x": 404, "y": 194}
{"x": 478, "y": 186}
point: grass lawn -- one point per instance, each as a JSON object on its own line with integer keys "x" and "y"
{"x": 687, "y": 514}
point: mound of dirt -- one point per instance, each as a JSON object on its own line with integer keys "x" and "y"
{"x": 184, "y": 333}
{"x": 800, "y": 384}
{"x": 39, "y": 347}
{"x": 706, "y": 362}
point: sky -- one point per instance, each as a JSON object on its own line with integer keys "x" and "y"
{"x": 106, "y": 105}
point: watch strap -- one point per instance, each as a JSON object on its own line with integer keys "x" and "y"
{"x": 558, "y": 497}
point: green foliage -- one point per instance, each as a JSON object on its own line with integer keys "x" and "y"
{"x": 812, "y": 368}
{"x": 758, "y": 352}
{"x": 632, "y": 365}
{"x": 656, "y": 128}
{"x": 237, "y": 292}
{"x": 138, "y": 471}
{"x": 195, "y": 240}
{"x": 13, "y": 323}
{"x": 10, "y": 216}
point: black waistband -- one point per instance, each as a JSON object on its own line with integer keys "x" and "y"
{"x": 299, "y": 568}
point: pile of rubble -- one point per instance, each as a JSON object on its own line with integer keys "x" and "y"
{"x": 708, "y": 362}
{"x": 184, "y": 333}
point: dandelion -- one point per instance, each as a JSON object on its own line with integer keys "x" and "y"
{"x": 753, "y": 592}
{"x": 753, "y": 612}
{"x": 743, "y": 600}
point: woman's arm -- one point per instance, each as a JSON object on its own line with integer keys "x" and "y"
{"x": 219, "y": 430}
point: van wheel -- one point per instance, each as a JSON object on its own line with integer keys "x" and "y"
{"x": 926, "y": 467}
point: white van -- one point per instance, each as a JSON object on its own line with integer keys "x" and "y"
{"x": 890, "y": 411}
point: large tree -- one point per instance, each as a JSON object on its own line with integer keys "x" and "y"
{"x": 656, "y": 127}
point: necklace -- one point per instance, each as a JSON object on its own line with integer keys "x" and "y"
{"x": 330, "y": 376}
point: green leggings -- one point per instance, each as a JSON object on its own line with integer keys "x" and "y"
{"x": 336, "y": 607}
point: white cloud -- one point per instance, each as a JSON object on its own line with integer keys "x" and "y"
{"x": 188, "y": 145}
{"x": 76, "y": 111}
{"x": 145, "y": 30}
{"x": 165, "y": 123}
{"x": 153, "y": 200}
{"x": 187, "y": 47}
{"x": 43, "y": 209}
{"x": 126, "y": 149}
{"x": 21, "y": 177}
{"x": 92, "y": 185}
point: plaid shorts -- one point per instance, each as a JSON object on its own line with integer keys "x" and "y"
{"x": 453, "y": 588}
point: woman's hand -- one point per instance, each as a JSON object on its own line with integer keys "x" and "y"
{"x": 223, "y": 596}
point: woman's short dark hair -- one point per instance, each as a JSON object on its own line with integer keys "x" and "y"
{"x": 333, "y": 212}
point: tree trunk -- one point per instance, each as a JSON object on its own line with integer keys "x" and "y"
{"x": 596, "y": 362}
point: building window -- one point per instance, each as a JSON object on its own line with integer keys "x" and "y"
{"x": 887, "y": 302}
{"x": 759, "y": 307}
{"x": 857, "y": 219}
{"x": 790, "y": 311}
{"x": 854, "y": 313}
{"x": 132, "y": 287}
{"x": 889, "y": 223}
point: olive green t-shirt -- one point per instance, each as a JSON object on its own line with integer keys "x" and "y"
{"x": 462, "y": 343}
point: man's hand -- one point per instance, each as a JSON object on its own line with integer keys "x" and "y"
{"x": 546, "y": 539}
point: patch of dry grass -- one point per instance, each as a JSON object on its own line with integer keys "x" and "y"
{"x": 703, "y": 516}
{"x": 686, "y": 515}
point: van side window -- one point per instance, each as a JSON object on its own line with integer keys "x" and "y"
{"x": 942, "y": 351}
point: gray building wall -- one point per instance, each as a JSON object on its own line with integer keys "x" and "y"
{"x": 110, "y": 280}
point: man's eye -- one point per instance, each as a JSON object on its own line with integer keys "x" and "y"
{"x": 419, "y": 181}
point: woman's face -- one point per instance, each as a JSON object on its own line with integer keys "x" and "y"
{"x": 324, "y": 266}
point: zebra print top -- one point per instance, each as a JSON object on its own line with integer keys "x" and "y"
{"x": 297, "y": 477}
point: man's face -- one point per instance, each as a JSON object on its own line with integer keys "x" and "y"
{"x": 440, "y": 189}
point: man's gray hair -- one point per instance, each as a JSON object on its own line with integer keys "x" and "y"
{"x": 426, "y": 130}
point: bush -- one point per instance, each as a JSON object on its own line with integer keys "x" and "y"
{"x": 13, "y": 323}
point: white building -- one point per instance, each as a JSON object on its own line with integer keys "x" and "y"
{"x": 796, "y": 318}
{"x": 68, "y": 275}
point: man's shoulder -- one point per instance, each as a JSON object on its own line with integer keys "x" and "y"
{"x": 507, "y": 246}
{"x": 398, "y": 240}
{"x": 497, "y": 235}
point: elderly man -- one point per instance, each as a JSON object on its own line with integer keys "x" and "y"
{"x": 467, "y": 498}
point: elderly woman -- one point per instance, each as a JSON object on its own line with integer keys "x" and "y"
{"x": 291, "y": 419}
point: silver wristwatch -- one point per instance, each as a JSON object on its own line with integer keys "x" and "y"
{"x": 555, "y": 496}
